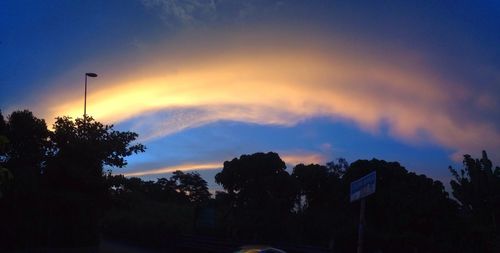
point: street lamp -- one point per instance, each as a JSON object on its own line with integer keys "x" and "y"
{"x": 85, "y": 97}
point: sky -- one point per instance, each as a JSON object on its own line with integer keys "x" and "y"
{"x": 205, "y": 81}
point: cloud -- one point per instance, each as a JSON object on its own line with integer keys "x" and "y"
{"x": 291, "y": 159}
{"x": 185, "y": 12}
{"x": 200, "y": 13}
{"x": 170, "y": 169}
{"x": 181, "y": 118}
{"x": 276, "y": 78}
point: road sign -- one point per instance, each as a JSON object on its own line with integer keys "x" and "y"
{"x": 363, "y": 186}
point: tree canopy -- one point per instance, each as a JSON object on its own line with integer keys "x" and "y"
{"x": 477, "y": 188}
{"x": 257, "y": 180}
{"x": 261, "y": 193}
{"x": 81, "y": 148}
{"x": 191, "y": 185}
{"x": 5, "y": 174}
{"x": 57, "y": 189}
{"x": 413, "y": 208}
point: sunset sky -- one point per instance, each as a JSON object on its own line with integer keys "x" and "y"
{"x": 204, "y": 81}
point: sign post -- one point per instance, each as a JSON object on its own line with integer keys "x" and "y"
{"x": 359, "y": 190}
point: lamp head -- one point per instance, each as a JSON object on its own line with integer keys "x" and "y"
{"x": 91, "y": 74}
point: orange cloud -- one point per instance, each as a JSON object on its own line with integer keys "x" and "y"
{"x": 291, "y": 159}
{"x": 305, "y": 158}
{"x": 182, "y": 167}
{"x": 279, "y": 79}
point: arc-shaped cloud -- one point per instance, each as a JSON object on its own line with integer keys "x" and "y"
{"x": 291, "y": 159}
{"x": 282, "y": 79}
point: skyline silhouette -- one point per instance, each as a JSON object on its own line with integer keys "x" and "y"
{"x": 59, "y": 194}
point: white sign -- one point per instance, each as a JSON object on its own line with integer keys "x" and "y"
{"x": 363, "y": 186}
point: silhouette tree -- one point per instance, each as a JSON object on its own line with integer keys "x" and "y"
{"x": 408, "y": 212}
{"x": 320, "y": 198}
{"x": 320, "y": 184}
{"x": 81, "y": 149}
{"x": 24, "y": 156}
{"x": 135, "y": 184}
{"x": 313, "y": 184}
{"x": 167, "y": 191}
{"x": 477, "y": 188}
{"x": 180, "y": 187}
{"x": 337, "y": 168}
{"x": 2, "y": 124}
{"x": 115, "y": 183}
{"x": 149, "y": 212}
{"x": 5, "y": 175}
{"x": 26, "y": 150}
{"x": 262, "y": 193}
{"x": 5, "y": 179}
{"x": 77, "y": 187}
{"x": 190, "y": 184}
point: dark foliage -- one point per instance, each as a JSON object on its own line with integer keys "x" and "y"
{"x": 58, "y": 192}
{"x": 261, "y": 194}
{"x": 54, "y": 193}
{"x": 320, "y": 207}
{"x": 148, "y": 212}
{"x": 191, "y": 185}
{"x": 24, "y": 157}
{"x": 75, "y": 183}
{"x": 6, "y": 176}
{"x": 408, "y": 212}
{"x": 477, "y": 188}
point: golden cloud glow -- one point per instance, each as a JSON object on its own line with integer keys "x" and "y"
{"x": 291, "y": 159}
{"x": 279, "y": 80}
{"x": 182, "y": 167}
{"x": 305, "y": 158}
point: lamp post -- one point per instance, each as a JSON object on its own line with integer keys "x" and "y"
{"x": 85, "y": 96}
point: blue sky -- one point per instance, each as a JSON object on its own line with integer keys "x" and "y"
{"x": 206, "y": 81}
